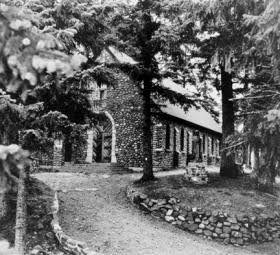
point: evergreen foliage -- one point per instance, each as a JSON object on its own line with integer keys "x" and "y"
{"x": 27, "y": 56}
{"x": 259, "y": 107}
{"x": 153, "y": 32}
{"x": 222, "y": 45}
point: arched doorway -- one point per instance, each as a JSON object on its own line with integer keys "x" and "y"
{"x": 106, "y": 140}
{"x": 103, "y": 143}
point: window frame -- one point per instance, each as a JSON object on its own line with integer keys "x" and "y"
{"x": 218, "y": 148}
{"x": 168, "y": 141}
{"x": 212, "y": 146}
{"x": 158, "y": 147}
{"x": 204, "y": 151}
{"x": 182, "y": 140}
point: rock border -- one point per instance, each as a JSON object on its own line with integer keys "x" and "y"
{"x": 67, "y": 243}
{"x": 219, "y": 226}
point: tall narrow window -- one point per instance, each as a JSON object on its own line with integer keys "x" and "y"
{"x": 102, "y": 94}
{"x": 216, "y": 148}
{"x": 158, "y": 136}
{"x": 188, "y": 143}
{"x": 167, "y": 137}
{"x": 209, "y": 145}
{"x": 175, "y": 132}
{"x": 182, "y": 139}
{"x": 212, "y": 144}
{"x": 204, "y": 143}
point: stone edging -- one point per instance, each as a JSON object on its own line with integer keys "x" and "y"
{"x": 67, "y": 243}
{"x": 219, "y": 226}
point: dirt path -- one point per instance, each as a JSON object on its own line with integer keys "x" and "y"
{"x": 94, "y": 209}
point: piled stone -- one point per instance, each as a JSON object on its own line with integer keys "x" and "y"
{"x": 66, "y": 242}
{"x": 197, "y": 174}
{"x": 219, "y": 226}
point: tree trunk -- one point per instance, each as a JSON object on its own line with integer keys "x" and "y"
{"x": 255, "y": 160}
{"x": 228, "y": 166}
{"x": 254, "y": 157}
{"x": 20, "y": 229}
{"x": 148, "y": 174}
{"x": 267, "y": 170}
{"x": 3, "y": 204}
{"x": 4, "y": 190}
{"x": 5, "y": 138}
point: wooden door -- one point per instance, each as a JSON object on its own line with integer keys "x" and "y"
{"x": 107, "y": 143}
{"x": 104, "y": 143}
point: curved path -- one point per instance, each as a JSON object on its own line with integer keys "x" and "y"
{"x": 94, "y": 209}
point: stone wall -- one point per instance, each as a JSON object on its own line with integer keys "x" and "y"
{"x": 41, "y": 157}
{"x": 79, "y": 148}
{"x": 219, "y": 226}
{"x": 163, "y": 157}
{"x": 54, "y": 154}
{"x": 124, "y": 103}
{"x": 46, "y": 158}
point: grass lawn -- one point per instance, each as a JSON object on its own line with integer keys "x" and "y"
{"x": 232, "y": 196}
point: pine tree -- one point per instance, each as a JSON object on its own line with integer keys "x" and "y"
{"x": 149, "y": 31}
{"x": 223, "y": 48}
{"x": 259, "y": 108}
{"x": 10, "y": 115}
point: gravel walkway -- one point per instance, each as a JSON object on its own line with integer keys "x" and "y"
{"x": 94, "y": 209}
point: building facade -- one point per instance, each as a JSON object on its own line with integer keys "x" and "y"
{"x": 179, "y": 137}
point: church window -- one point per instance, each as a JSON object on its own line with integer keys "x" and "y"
{"x": 182, "y": 139}
{"x": 167, "y": 137}
{"x": 158, "y": 136}
{"x": 204, "y": 143}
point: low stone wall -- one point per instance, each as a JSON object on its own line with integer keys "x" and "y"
{"x": 219, "y": 226}
{"x": 67, "y": 243}
{"x": 196, "y": 173}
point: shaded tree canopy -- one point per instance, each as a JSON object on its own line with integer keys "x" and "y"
{"x": 153, "y": 32}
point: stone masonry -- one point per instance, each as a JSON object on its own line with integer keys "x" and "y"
{"x": 219, "y": 226}
{"x": 123, "y": 104}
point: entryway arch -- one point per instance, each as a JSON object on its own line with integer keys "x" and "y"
{"x": 102, "y": 141}
{"x": 113, "y": 143}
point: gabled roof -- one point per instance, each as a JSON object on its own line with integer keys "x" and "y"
{"x": 199, "y": 117}
{"x": 170, "y": 84}
{"x": 196, "y": 116}
{"x": 111, "y": 55}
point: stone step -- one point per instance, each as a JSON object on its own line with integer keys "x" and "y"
{"x": 91, "y": 170}
{"x": 94, "y": 164}
{"x": 94, "y": 167}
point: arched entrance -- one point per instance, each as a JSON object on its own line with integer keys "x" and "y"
{"x": 104, "y": 142}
